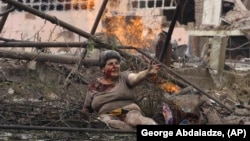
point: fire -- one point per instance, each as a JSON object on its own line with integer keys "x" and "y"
{"x": 169, "y": 87}
{"x": 128, "y": 29}
{"x": 83, "y": 4}
{"x": 164, "y": 84}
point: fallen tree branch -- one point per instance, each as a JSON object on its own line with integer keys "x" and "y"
{"x": 64, "y": 59}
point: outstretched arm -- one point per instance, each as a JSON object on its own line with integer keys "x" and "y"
{"x": 136, "y": 78}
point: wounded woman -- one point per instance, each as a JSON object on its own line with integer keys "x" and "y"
{"x": 112, "y": 95}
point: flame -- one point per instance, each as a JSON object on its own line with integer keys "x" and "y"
{"x": 129, "y": 30}
{"x": 83, "y": 4}
{"x": 163, "y": 84}
{"x": 169, "y": 87}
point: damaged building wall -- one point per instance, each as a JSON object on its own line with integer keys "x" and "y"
{"x": 198, "y": 12}
{"x": 233, "y": 23}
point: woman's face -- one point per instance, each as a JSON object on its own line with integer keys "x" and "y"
{"x": 112, "y": 68}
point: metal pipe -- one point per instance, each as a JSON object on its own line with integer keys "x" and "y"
{"x": 67, "y": 129}
{"x": 54, "y": 44}
{"x": 99, "y": 16}
{"x": 44, "y": 44}
{"x": 169, "y": 33}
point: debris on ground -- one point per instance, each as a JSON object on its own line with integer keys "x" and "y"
{"x": 39, "y": 97}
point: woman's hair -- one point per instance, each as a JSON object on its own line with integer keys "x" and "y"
{"x": 106, "y": 55}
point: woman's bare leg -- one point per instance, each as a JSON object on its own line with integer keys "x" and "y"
{"x": 135, "y": 117}
{"x": 114, "y": 122}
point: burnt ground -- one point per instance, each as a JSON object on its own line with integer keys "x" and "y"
{"x": 46, "y": 96}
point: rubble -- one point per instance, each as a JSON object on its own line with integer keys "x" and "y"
{"x": 28, "y": 98}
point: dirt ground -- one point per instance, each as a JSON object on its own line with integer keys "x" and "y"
{"x": 46, "y": 95}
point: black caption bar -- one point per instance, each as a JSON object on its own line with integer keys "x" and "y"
{"x": 175, "y": 132}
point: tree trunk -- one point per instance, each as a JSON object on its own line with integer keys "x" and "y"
{"x": 64, "y": 59}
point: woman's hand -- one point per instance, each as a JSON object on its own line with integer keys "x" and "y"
{"x": 135, "y": 78}
{"x": 153, "y": 68}
{"x": 84, "y": 114}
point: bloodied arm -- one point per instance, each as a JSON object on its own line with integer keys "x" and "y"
{"x": 86, "y": 109}
{"x": 136, "y": 78}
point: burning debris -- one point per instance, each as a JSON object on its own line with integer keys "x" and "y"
{"x": 128, "y": 29}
